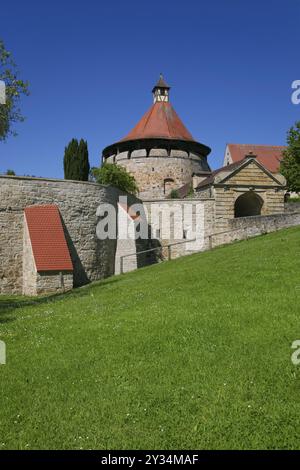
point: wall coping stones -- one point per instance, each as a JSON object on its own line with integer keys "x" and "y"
{"x": 189, "y": 199}
{"x": 54, "y": 180}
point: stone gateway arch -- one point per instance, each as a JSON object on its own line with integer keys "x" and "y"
{"x": 248, "y": 204}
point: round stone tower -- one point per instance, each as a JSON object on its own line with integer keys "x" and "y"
{"x": 159, "y": 151}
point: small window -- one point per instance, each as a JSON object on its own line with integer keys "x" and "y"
{"x": 184, "y": 235}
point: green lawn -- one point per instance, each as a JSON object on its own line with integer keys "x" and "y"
{"x": 192, "y": 353}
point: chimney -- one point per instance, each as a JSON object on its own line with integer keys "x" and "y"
{"x": 250, "y": 155}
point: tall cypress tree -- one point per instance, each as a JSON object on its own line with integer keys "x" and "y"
{"x": 83, "y": 158}
{"x": 70, "y": 160}
{"x": 76, "y": 161}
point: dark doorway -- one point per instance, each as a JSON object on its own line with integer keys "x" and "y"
{"x": 248, "y": 204}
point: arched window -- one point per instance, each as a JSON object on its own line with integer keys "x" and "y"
{"x": 248, "y": 204}
{"x": 168, "y": 185}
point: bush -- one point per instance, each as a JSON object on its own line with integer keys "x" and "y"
{"x": 174, "y": 194}
{"x": 10, "y": 173}
{"x": 293, "y": 199}
{"x": 191, "y": 192}
{"x": 115, "y": 175}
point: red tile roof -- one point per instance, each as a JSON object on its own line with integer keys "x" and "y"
{"x": 49, "y": 246}
{"x": 160, "y": 121}
{"x": 268, "y": 155}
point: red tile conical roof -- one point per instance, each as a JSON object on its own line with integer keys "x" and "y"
{"x": 160, "y": 121}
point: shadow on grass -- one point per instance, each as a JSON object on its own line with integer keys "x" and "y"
{"x": 9, "y": 304}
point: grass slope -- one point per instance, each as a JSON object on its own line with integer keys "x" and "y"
{"x": 193, "y": 353}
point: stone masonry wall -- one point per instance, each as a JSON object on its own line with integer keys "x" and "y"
{"x": 201, "y": 223}
{"x": 226, "y": 197}
{"x": 151, "y": 171}
{"x": 93, "y": 258}
{"x": 77, "y": 201}
{"x": 29, "y": 269}
{"x": 126, "y": 247}
{"x": 292, "y": 207}
{"x": 246, "y": 227}
{"x": 264, "y": 186}
{"x": 53, "y": 282}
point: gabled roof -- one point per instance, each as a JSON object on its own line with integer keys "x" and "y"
{"x": 160, "y": 121}
{"x": 210, "y": 179}
{"x": 49, "y": 246}
{"x": 230, "y": 169}
{"x": 268, "y": 155}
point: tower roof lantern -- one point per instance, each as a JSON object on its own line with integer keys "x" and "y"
{"x": 161, "y": 84}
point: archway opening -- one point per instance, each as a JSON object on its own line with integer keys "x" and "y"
{"x": 248, "y": 204}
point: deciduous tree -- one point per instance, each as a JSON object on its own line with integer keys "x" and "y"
{"x": 10, "y": 112}
{"x": 117, "y": 176}
{"x": 290, "y": 164}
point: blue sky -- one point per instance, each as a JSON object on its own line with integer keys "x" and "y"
{"x": 91, "y": 67}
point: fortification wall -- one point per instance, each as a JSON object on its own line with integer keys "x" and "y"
{"x": 199, "y": 225}
{"x": 246, "y": 227}
{"x": 292, "y": 207}
{"x": 95, "y": 259}
{"x": 77, "y": 201}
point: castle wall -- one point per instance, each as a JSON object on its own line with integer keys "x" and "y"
{"x": 77, "y": 201}
{"x": 95, "y": 259}
{"x": 292, "y": 206}
{"x": 29, "y": 269}
{"x": 247, "y": 227}
{"x": 126, "y": 247}
{"x": 183, "y": 226}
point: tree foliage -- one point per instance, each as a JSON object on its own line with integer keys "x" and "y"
{"x": 115, "y": 175}
{"x": 174, "y": 194}
{"x": 290, "y": 164}
{"x": 76, "y": 161}
{"x": 10, "y": 112}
